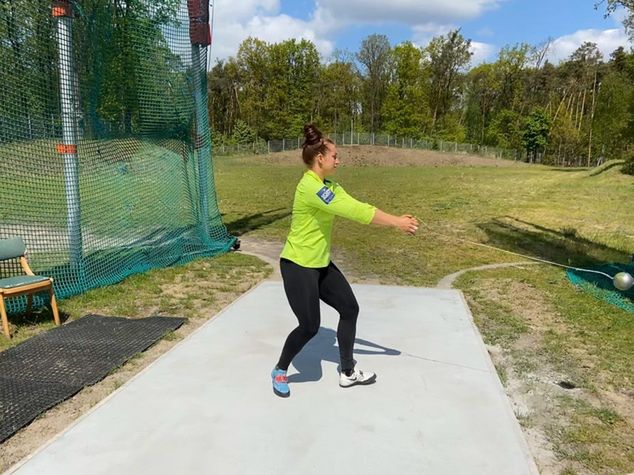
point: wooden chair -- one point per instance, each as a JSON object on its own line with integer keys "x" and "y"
{"x": 28, "y": 284}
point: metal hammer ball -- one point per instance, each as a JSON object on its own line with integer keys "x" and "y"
{"x": 623, "y": 281}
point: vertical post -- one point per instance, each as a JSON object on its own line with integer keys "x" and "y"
{"x": 351, "y": 130}
{"x": 200, "y": 38}
{"x": 594, "y": 96}
{"x": 63, "y": 13}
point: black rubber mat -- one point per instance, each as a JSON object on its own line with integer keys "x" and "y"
{"x": 55, "y": 365}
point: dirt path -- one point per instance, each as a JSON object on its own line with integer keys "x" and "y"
{"x": 447, "y": 281}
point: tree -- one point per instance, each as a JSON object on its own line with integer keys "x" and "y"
{"x": 338, "y": 95}
{"x": 535, "y": 134}
{"x": 510, "y": 66}
{"x": 483, "y": 86}
{"x": 128, "y": 73}
{"x": 223, "y": 87}
{"x": 613, "y": 114}
{"x": 242, "y": 133}
{"x": 612, "y": 5}
{"x": 28, "y": 56}
{"x": 254, "y": 77}
{"x": 585, "y": 61}
{"x": 446, "y": 56}
{"x": 278, "y": 85}
{"x": 405, "y": 110}
{"x": 296, "y": 72}
{"x": 374, "y": 55}
{"x": 506, "y": 130}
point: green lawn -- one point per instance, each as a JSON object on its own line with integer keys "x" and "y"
{"x": 539, "y": 211}
{"x": 123, "y": 184}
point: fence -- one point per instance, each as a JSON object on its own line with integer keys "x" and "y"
{"x": 348, "y": 139}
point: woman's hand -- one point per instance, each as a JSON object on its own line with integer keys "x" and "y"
{"x": 408, "y": 224}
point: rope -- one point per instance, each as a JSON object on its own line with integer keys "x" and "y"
{"x": 580, "y": 269}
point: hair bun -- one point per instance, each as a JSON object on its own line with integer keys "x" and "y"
{"x": 312, "y": 135}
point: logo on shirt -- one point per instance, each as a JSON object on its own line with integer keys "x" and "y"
{"x": 326, "y": 195}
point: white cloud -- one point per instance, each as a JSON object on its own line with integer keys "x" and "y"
{"x": 482, "y": 52}
{"x": 241, "y": 10}
{"x": 235, "y": 21}
{"x": 422, "y": 34}
{"x": 282, "y": 27}
{"x": 606, "y": 40}
{"x": 409, "y": 12}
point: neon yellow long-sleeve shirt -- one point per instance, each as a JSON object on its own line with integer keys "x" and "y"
{"x": 314, "y": 209}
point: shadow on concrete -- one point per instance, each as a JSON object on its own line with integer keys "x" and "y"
{"x": 323, "y": 347}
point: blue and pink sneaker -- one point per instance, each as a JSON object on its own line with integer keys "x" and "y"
{"x": 280, "y": 383}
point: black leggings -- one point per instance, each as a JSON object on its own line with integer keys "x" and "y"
{"x": 304, "y": 288}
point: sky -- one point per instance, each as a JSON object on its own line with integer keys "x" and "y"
{"x": 490, "y": 24}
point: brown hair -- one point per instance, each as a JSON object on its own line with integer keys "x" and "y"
{"x": 314, "y": 144}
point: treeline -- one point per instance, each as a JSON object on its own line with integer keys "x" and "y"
{"x": 575, "y": 113}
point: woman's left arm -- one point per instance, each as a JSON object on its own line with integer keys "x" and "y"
{"x": 406, "y": 223}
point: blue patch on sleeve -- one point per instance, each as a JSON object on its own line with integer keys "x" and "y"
{"x": 326, "y": 195}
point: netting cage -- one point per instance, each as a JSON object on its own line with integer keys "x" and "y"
{"x": 105, "y": 148}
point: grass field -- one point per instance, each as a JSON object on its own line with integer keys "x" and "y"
{"x": 565, "y": 358}
{"x": 123, "y": 184}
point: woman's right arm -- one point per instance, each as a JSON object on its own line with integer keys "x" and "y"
{"x": 340, "y": 203}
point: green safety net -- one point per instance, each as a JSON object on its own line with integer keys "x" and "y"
{"x": 105, "y": 150}
{"x": 602, "y": 288}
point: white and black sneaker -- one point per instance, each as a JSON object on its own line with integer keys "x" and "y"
{"x": 357, "y": 377}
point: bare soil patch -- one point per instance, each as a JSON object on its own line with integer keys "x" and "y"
{"x": 373, "y": 155}
{"x": 538, "y": 390}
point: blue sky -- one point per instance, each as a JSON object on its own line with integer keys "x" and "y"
{"x": 490, "y": 24}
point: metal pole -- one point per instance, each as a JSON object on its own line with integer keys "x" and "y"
{"x": 202, "y": 146}
{"x": 200, "y": 38}
{"x": 351, "y": 131}
{"x": 63, "y": 13}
